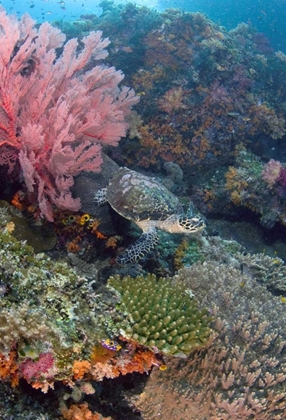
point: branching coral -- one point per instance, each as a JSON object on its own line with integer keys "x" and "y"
{"x": 161, "y": 316}
{"x": 242, "y": 373}
{"x": 269, "y": 271}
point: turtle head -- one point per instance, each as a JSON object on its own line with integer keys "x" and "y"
{"x": 191, "y": 224}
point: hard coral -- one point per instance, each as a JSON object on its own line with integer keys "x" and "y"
{"x": 241, "y": 374}
{"x": 134, "y": 358}
{"x": 161, "y": 316}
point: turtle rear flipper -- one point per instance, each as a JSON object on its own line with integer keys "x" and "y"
{"x": 139, "y": 249}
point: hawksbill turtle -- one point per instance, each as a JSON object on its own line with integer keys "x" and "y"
{"x": 146, "y": 202}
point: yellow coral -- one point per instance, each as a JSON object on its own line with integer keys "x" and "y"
{"x": 10, "y": 227}
{"x": 235, "y": 183}
{"x": 235, "y": 198}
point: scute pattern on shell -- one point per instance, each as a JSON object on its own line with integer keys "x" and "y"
{"x": 139, "y": 197}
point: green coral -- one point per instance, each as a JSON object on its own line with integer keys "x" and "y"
{"x": 160, "y": 315}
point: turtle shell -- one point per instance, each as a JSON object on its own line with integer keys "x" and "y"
{"x": 139, "y": 197}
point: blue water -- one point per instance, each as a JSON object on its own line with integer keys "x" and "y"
{"x": 51, "y": 10}
{"x": 265, "y": 15}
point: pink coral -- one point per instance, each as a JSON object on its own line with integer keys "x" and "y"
{"x": 54, "y": 114}
{"x": 271, "y": 172}
{"x": 32, "y": 370}
{"x": 172, "y": 100}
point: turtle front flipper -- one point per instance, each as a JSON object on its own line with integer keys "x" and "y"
{"x": 139, "y": 249}
{"x": 100, "y": 196}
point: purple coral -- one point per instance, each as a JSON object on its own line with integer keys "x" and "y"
{"x": 282, "y": 177}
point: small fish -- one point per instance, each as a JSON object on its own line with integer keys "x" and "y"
{"x": 233, "y": 114}
{"x": 110, "y": 344}
{"x": 220, "y": 68}
{"x": 127, "y": 49}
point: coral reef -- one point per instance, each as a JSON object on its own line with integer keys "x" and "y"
{"x": 212, "y": 108}
{"x": 269, "y": 271}
{"x": 247, "y": 183}
{"x": 160, "y": 315}
{"x": 242, "y": 372}
{"x": 205, "y": 85}
{"x": 46, "y": 311}
{"x": 203, "y": 89}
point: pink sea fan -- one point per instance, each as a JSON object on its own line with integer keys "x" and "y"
{"x": 271, "y": 172}
{"x": 56, "y": 112}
